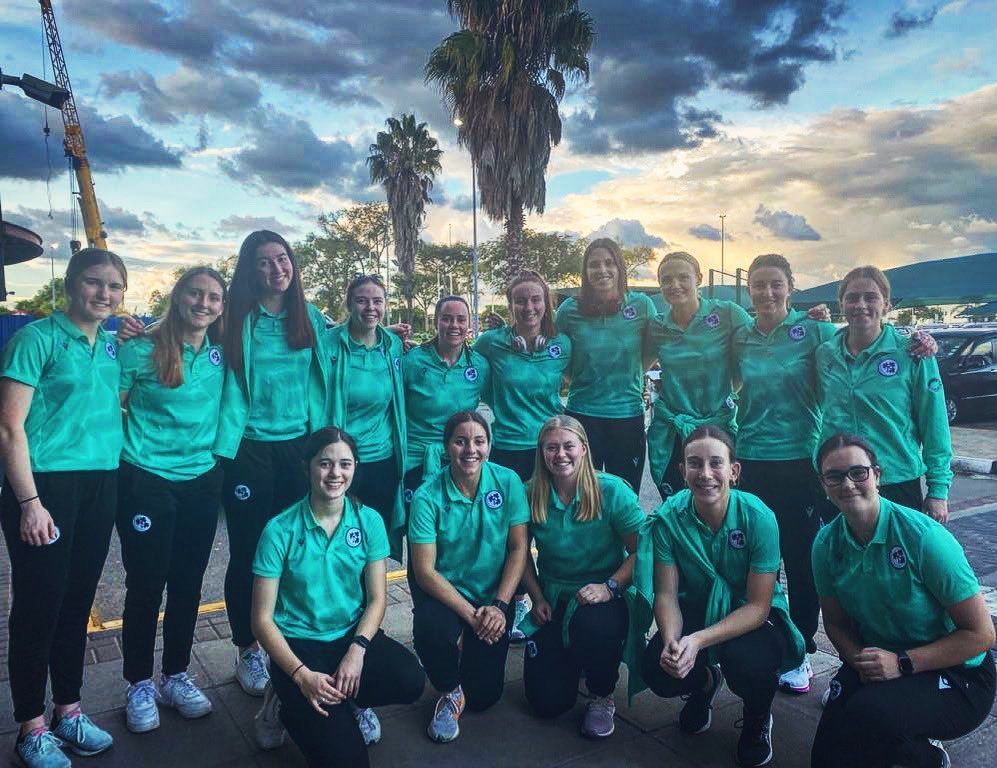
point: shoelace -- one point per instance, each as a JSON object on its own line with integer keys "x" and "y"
{"x": 144, "y": 691}
{"x": 257, "y": 667}
{"x": 42, "y": 744}
{"x": 185, "y": 683}
{"x": 605, "y": 703}
{"x": 451, "y": 702}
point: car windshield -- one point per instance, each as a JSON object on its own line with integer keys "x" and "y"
{"x": 949, "y": 345}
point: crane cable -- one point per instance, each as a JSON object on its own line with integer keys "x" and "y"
{"x": 46, "y": 130}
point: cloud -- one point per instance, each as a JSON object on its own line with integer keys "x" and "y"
{"x": 785, "y": 225}
{"x": 709, "y": 232}
{"x": 113, "y": 143}
{"x": 241, "y": 226}
{"x": 969, "y": 63}
{"x": 628, "y": 233}
{"x": 55, "y": 228}
{"x": 905, "y": 22}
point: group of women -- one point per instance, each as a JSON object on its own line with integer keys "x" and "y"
{"x": 336, "y": 445}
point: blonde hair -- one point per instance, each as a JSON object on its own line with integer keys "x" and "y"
{"x": 539, "y": 487}
{"x": 688, "y": 258}
{"x": 868, "y": 272}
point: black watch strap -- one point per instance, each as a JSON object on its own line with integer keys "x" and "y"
{"x": 502, "y": 605}
{"x": 362, "y": 641}
{"x": 905, "y": 664}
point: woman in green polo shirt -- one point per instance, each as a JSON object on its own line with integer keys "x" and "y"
{"x": 584, "y": 524}
{"x": 60, "y": 439}
{"x": 871, "y": 386}
{"x": 171, "y": 388}
{"x": 605, "y": 324}
{"x": 275, "y": 393}
{"x": 904, "y": 610}
{"x": 720, "y": 611}
{"x": 318, "y": 603}
{"x": 467, "y": 530}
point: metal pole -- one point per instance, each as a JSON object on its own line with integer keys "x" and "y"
{"x": 722, "y": 217}
{"x": 474, "y": 246}
{"x": 51, "y": 256}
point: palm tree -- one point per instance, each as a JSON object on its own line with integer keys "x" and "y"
{"x": 502, "y": 75}
{"x": 405, "y": 160}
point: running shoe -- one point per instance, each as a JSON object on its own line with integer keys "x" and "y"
{"x": 797, "y": 681}
{"x": 82, "y": 735}
{"x": 267, "y": 728}
{"x": 754, "y": 747}
{"x": 251, "y": 671}
{"x": 598, "y": 722}
{"x": 370, "y": 726}
{"x": 697, "y": 714}
{"x": 40, "y": 749}
{"x": 444, "y": 727}
{"x": 946, "y": 760}
{"x": 141, "y": 711}
{"x": 178, "y": 691}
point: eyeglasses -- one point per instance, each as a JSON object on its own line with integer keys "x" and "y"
{"x": 857, "y": 474}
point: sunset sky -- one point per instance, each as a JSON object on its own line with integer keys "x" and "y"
{"x": 836, "y": 133}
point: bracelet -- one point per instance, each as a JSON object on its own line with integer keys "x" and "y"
{"x": 25, "y": 501}
{"x": 296, "y": 671}
{"x": 502, "y": 605}
{"x": 362, "y": 641}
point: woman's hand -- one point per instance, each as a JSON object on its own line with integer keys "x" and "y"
{"x": 347, "y": 676}
{"x": 875, "y": 665}
{"x": 937, "y": 509}
{"x": 820, "y": 312}
{"x": 922, "y": 345}
{"x": 318, "y": 689}
{"x": 493, "y": 321}
{"x": 542, "y": 613}
{"x": 489, "y": 624}
{"x": 129, "y": 328}
{"x": 679, "y": 656}
{"x": 37, "y": 526}
{"x": 401, "y": 330}
{"x": 591, "y": 594}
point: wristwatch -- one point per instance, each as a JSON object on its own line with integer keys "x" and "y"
{"x": 502, "y": 605}
{"x": 905, "y": 664}
{"x": 614, "y": 588}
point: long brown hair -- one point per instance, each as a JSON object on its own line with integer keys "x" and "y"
{"x": 167, "y": 337}
{"x": 587, "y": 303}
{"x": 547, "y": 327}
{"x": 91, "y": 257}
{"x": 244, "y": 296}
{"x": 590, "y": 495}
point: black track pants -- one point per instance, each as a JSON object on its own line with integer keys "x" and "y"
{"x": 619, "y": 445}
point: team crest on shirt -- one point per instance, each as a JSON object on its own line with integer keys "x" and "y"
{"x": 242, "y": 492}
{"x": 712, "y": 320}
{"x": 494, "y": 499}
{"x": 215, "y": 356}
{"x": 798, "y": 332}
{"x": 409, "y": 493}
{"x": 353, "y": 537}
{"x": 833, "y": 690}
{"x": 630, "y": 312}
{"x": 737, "y": 539}
{"x": 554, "y": 350}
{"x": 111, "y": 350}
{"x": 471, "y": 373}
{"x": 934, "y": 385}
{"x": 898, "y": 558}
{"x": 531, "y": 649}
{"x": 729, "y": 402}
{"x": 141, "y": 523}
{"x": 888, "y": 367}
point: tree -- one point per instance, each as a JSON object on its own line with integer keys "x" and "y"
{"x": 41, "y": 303}
{"x": 405, "y": 159}
{"x": 159, "y": 301}
{"x": 555, "y": 255}
{"x": 441, "y": 269}
{"x": 502, "y": 75}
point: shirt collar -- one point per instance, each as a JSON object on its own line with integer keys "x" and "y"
{"x": 792, "y": 318}
{"x": 70, "y": 328}
{"x": 264, "y": 312}
{"x": 882, "y": 527}
{"x": 555, "y": 500}
{"x": 886, "y": 342}
{"x": 454, "y": 493}
{"x": 694, "y": 519}
{"x": 308, "y": 514}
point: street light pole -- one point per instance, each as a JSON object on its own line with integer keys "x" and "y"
{"x": 722, "y": 217}
{"x": 51, "y": 254}
{"x": 474, "y": 240}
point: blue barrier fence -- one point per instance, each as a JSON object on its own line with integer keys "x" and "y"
{"x": 11, "y": 324}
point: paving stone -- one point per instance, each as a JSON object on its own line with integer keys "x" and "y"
{"x": 217, "y": 658}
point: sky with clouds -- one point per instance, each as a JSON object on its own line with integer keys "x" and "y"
{"x": 836, "y": 132}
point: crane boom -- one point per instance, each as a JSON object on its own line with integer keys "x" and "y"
{"x": 73, "y": 143}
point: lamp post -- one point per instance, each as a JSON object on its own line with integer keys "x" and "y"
{"x": 474, "y": 240}
{"x": 722, "y": 217}
{"x": 51, "y": 259}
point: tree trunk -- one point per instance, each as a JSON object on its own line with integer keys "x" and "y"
{"x": 514, "y": 236}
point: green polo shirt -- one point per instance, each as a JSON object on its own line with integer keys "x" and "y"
{"x": 74, "y": 421}
{"x": 571, "y": 554}
{"x": 778, "y": 415}
{"x": 321, "y": 591}
{"x": 435, "y": 391}
{"x": 893, "y": 401}
{"x": 278, "y": 382}
{"x": 162, "y": 418}
{"x": 607, "y": 373}
{"x": 524, "y": 388}
{"x": 368, "y": 400}
{"x": 896, "y": 588}
{"x": 470, "y": 534}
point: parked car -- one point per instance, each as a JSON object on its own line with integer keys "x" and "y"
{"x": 967, "y": 360}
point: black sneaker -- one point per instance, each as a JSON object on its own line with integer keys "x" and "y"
{"x": 697, "y": 714}
{"x": 754, "y": 748}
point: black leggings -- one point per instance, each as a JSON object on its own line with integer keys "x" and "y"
{"x": 453, "y": 655}
{"x": 263, "y": 479}
{"x": 792, "y": 491}
{"x": 376, "y": 484}
{"x": 550, "y": 671}
{"x": 876, "y": 725}
{"x": 166, "y": 530}
{"x": 521, "y": 462}
{"x": 619, "y": 445}
{"x": 53, "y": 586}
{"x": 750, "y": 664}
{"x": 671, "y": 481}
{"x": 391, "y": 675}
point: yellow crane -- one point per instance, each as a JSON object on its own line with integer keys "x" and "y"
{"x": 73, "y": 143}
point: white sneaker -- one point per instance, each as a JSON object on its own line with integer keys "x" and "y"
{"x": 251, "y": 672}
{"x": 267, "y": 727}
{"x": 178, "y": 691}
{"x": 141, "y": 712}
{"x": 797, "y": 680}
{"x": 370, "y": 726}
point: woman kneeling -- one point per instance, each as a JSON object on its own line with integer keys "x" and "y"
{"x": 318, "y": 601}
{"x": 719, "y": 548}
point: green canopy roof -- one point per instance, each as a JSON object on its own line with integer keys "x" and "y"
{"x": 986, "y": 310}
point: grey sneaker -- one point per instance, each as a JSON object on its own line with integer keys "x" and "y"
{"x": 267, "y": 728}
{"x": 251, "y": 672}
{"x": 41, "y": 749}
{"x": 370, "y": 726}
{"x": 141, "y": 712}
{"x": 598, "y": 722}
{"x": 82, "y": 735}
{"x": 444, "y": 727}
{"x": 178, "y": 691}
